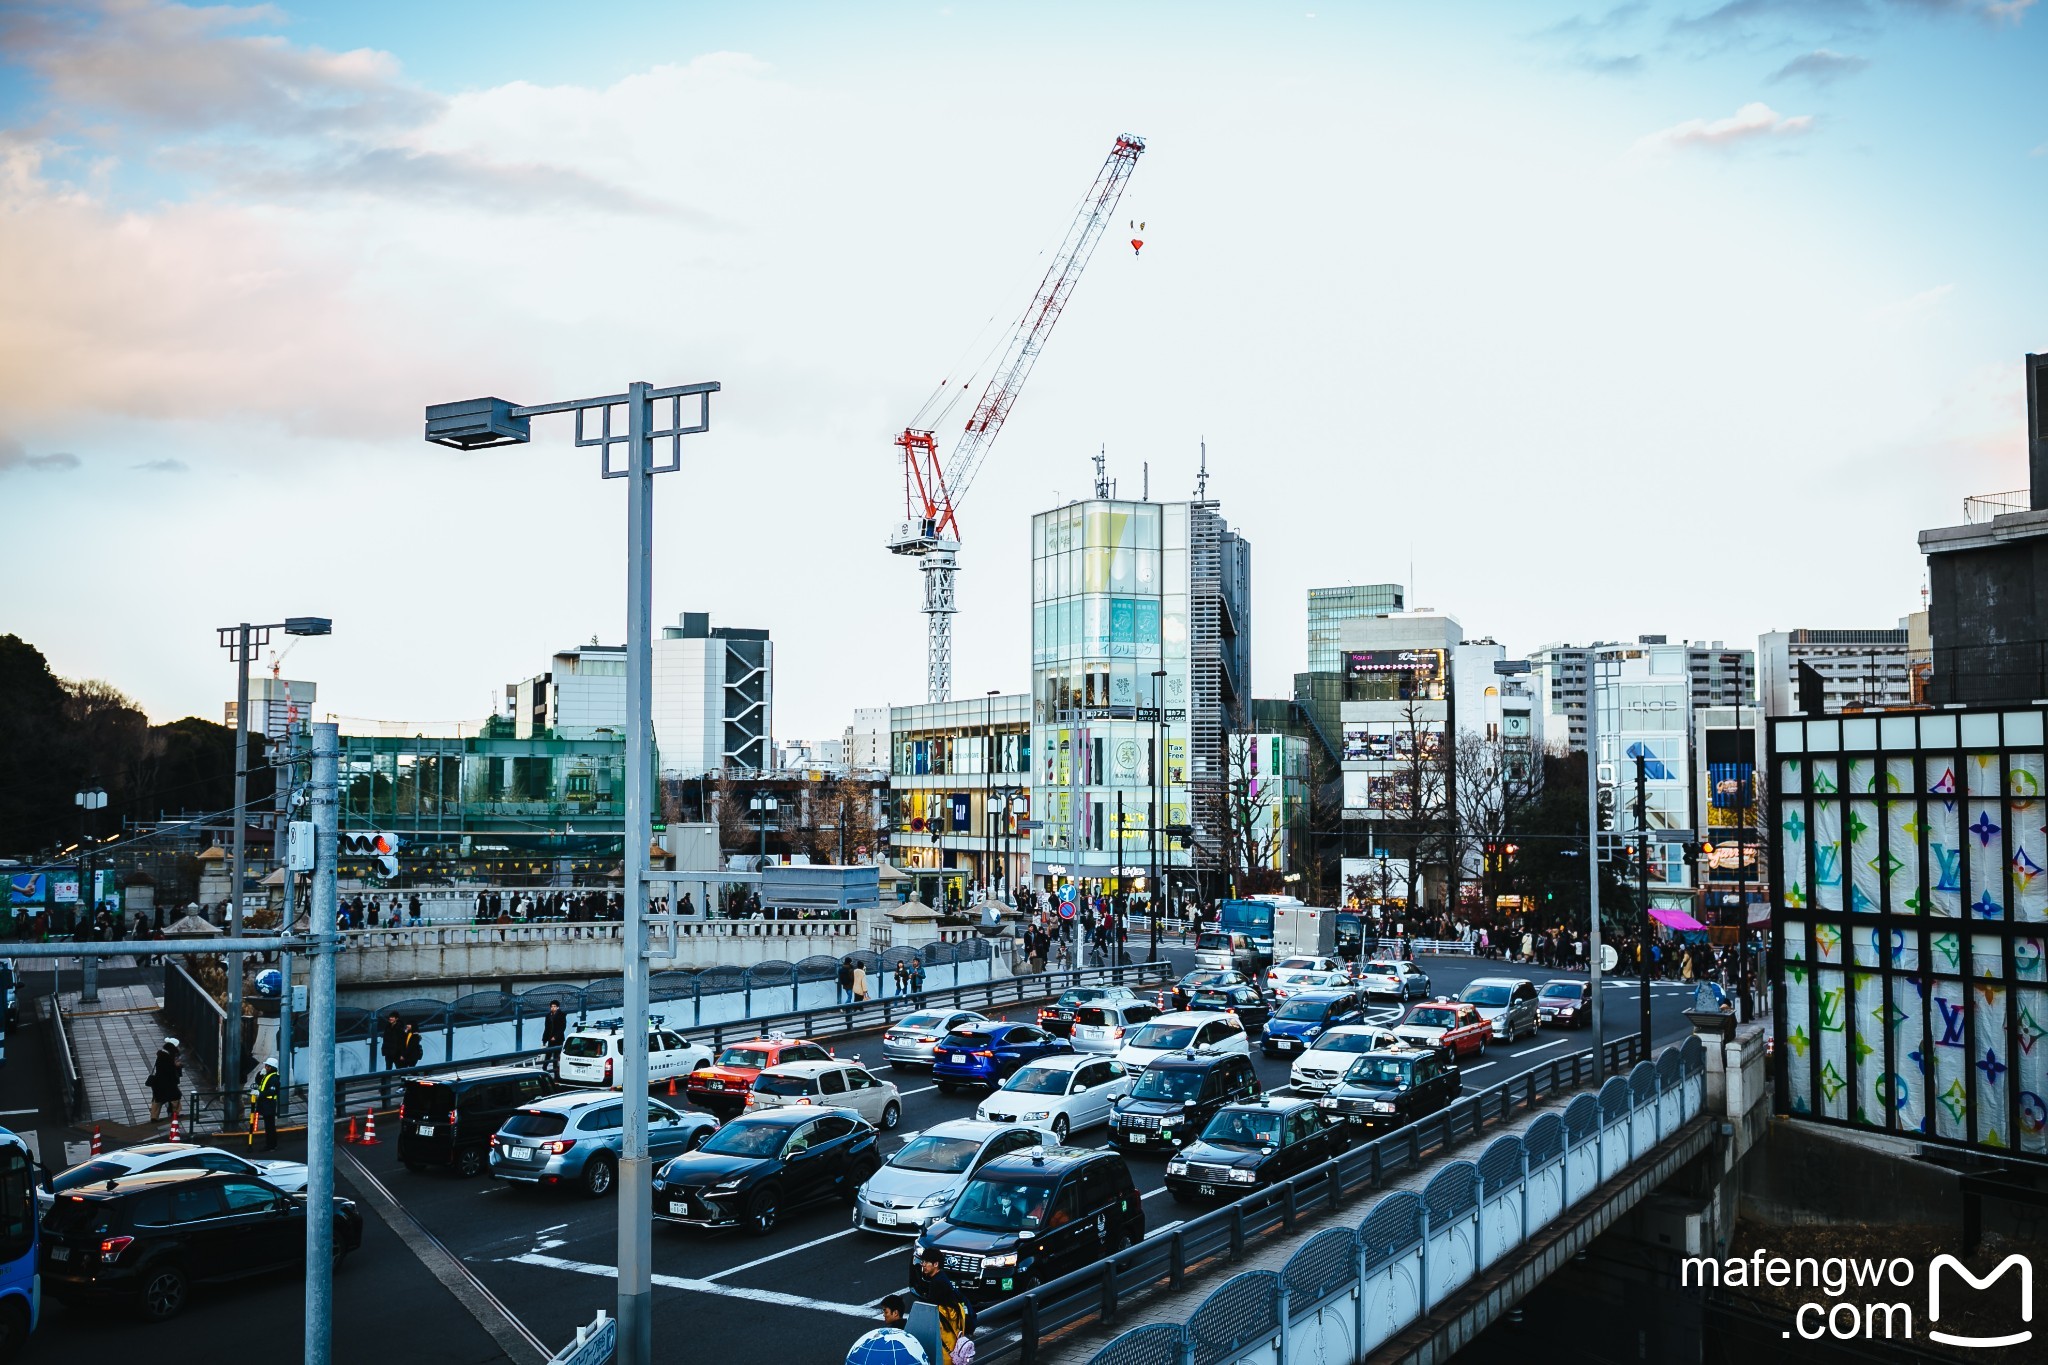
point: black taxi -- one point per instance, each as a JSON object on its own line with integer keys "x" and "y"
{"x": 1030, "y": 1217}
{"x": 1247, "y": 1147}
{"x": 1393, "y": 1086}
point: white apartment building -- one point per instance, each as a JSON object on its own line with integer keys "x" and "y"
{"x": 1856, "y": 667}
{"x": 1715, "y": 676}
{"x": 866, "y": 741}
{"x": 276, "y": 705}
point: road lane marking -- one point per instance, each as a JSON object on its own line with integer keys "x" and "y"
{"x": 919, "y": 1091}
{"x": 910, "y": 1246}
{"x": 778, "y": 1255}
{"x": 1149, "y": 1193}
{"x": 1481, "y": 1067}
{"x": 1540, "y": 1047}
{"x": 731, "y": 1291}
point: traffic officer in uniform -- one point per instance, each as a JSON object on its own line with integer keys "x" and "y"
{"x": 263, "y": 1102}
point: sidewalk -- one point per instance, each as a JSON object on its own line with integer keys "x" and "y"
{"x": 114, "y": 1041}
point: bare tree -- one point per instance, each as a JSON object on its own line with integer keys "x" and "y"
{"x": 731, "y": 806}
{"x": 1495, "y": 782}
{"x": 1252, "y": 838}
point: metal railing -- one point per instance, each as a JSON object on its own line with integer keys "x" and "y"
{"x": 1979, "y": 508}
{"x": 822, "y": 1022}
{"x": 198, "y": 1022}
{"x": 64, "y": 1061}
{"x": 1015, "y": 1328}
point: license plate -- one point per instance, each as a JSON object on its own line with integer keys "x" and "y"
{"x": 1134, "y": 1137}
{"x": 519, "y": 1153}
{"x": 1286, "y": 1043}
{"x": 425, "y": 1130}
{"x": 678, "y": 1207}
{"x": 885, "y": 1218}
{"x": 60, "y": 1253}
{"x": 1206, "y": 1189}
{"x": 714, "y": 1085}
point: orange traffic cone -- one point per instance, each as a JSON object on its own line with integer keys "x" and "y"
{"x": 671, "y": 1087}
{"x": 95, "y": 1139}
{"x": 350, "y": 1139}
{"x": 370, "y": 1129}
{"x": 174, "y": 1128}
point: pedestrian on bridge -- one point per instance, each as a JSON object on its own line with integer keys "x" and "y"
{"x": 393, "y": 1035}
{"x": 554, "y": 1028}
{"x": 166, "y": 1079}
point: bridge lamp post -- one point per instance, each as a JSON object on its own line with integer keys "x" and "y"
{"x": 623, "y": 428}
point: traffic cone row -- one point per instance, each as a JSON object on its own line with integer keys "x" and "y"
{"x": 95, "y": 1139}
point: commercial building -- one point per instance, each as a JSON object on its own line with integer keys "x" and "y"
{"x": 866, "y": 741}
{"x": 820, "y": 755}
{"x": 1851, "y": 668}
{"x": 1267, "y": 800}
{"x": 276, "y": 707}
{"x": 959, "y": 790}
{"x": 1140, "y": 663}
{"x": 1646, "y": 726}
{"x": 1715, "y": 676}
{"x": 1330, "y": 608}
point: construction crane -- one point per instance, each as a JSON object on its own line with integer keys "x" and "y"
{"x": 930, "y": 531}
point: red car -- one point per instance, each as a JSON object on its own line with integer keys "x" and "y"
{"x": 1452, "y": 1025}
{"x": 722, "y": 1087}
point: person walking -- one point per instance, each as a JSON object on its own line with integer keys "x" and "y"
{"x": 410, "y": 1048}
{"x": 166, "y": 1079}
{"x": 931, "y": 1283}
{"x": 845, "y": 980}
{"x": 263, "y": 1101}
{"x": 860, "y": 981}
{"x": 554, "y": 1028}
{"x": 917, "y": 975}
{"x": 393, "y": 1034}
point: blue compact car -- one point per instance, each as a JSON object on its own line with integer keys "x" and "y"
{"x": 1296, "y": 1025}
{"x": 986, "y": 1054}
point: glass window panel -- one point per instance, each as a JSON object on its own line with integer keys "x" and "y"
{"x": 1980, "y": 728}
{"x": 2023, "y": 729}
{"x": 1904, "y": 1090}
{"x": 1790, "y": 736}
{"x": 1859, "y": 732}
{"x": 1938, "y": 732}
{"x": 1991, "y": 1058}
{"x": 1949, "y": 1092}
{"x": 2031, "y": 1057}
{"x": 1896, "y": 732}
{"x": 1823, "y": 736}
{"x": 1866, "y": 860}
{"x": 1827, "y": 855}
{"x": 1831, "y": 1044}
{"x": 1983, "y": 844}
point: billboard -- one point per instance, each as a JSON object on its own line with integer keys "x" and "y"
{"x": 1426, "y": 663}
{"x": 1909, "y": 906}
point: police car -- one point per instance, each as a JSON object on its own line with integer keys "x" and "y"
{"x": 594, "y": 1053}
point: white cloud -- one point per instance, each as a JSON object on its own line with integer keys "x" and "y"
{"x": 14, "y": 455}
{"x": 1821, "y": 67}
{"x": 1753, "y": 123}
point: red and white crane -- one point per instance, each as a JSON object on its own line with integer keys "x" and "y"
{"x": 930, "y": 530}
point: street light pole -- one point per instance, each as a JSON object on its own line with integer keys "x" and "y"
{"x": 1643, "y": 892}
{"x": 324, "y": 797}
{"x": 1593, "y": 856}
{"x": 988, "y": 780}
{"x": 1158, "y": 816}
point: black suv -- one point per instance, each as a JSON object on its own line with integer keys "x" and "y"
{"x": 1388, "y": 1088}
{"x": 1027, "y": 1218}
{"x": 755, "y": 1167}
{"x": 1247, "y": 1147}
{"x": 1175, "y": 1097}
{"x": 144, "y": 1240}
{"x": 448, "y": 1120}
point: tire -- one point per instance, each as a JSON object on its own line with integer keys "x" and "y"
{"x": 469, "y": 1163}
{"x": 892, "y": 1116}
{"x": 1060, "y": 1129}
{"x": 598, "y": 1177}
{"x": 698, "y": 1139}
{"x": 164, "y": 1290}
{"x": 764, "y": 1210}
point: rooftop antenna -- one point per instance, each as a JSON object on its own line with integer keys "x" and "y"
{"x": 1145, "y": 481}
{"x": 1202, "y": 478}
{"x": 1102, "y": 472}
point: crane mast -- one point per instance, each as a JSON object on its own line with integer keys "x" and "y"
{"x": 932, "y": 491}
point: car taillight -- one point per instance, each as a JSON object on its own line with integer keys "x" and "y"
{"x": 494, "y": 1139}
{"x": 982, "y": 1054}
{"x": 607, "y": 1071}
{"x": 922, "y": 1039}
{"x": 112, "y": 1247}
{"x": 1116, "y": 1033}
{"x": 559, "y": 1147}
{"x": 454, "y": 1116}
{"x": 751, "y": 1099}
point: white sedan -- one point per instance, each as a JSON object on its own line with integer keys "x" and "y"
{"x": 1317, "y": 1071}
{"x": 1288, "y": 968}
{"x": 1183, "y": 1031}
{"x": 288, "y": 1177}
{"x": 1058, "y": 1095}
{"x": 1339, "y": 980}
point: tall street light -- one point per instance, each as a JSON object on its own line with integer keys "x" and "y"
{"x": 88, "y": 801}
{"x": 241, "y": 642}
{"x": 763, "y": 807}
{"x": 988, "y": 780}
{"x": 1158, "y": 814}
{"x": 479, "y": 424}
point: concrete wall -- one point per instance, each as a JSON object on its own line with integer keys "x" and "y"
{"x": 556, "y": 952}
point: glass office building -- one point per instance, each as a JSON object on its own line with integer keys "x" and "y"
{"x": 1330, "y": 608}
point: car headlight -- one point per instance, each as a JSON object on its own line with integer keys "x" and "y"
{"x": 1006, "y": 1261}
{"x": 1176, "y": 1167}
{"x": 731, "y": 1184}
{"x": 1383, "y": 1106}
{"x": 861, "y": 1193}
{"x": 1312, "y": 1030}
{"x": 1038, "y": 1116}
{"x": 936, "y": 1201}
{"x": 1242, "y": 1176}
{"x": 981, "y": 1116}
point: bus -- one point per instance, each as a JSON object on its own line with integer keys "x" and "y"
{"x": 21, "y": 1289}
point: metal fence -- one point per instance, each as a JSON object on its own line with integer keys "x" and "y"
{"x": 197, "y": 1021}
{"x": 63, "y": 1061}
{"x": 1251, "y": 1308}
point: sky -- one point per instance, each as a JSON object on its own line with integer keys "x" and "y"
{"x": 1584, "y": 321}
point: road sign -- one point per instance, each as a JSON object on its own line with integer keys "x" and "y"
{"x": 593, "y": 1345}
{"x": 1066, "y": 909}
{"x": 1608, "y": 957}
{"x": 1672, "y": 836}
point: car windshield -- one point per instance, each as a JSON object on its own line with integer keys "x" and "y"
{"x": 923, "y": 1021}
{"x": 583, "y": 1045}
{"x": 970, "y": 1038}
{"x": 1207, "y": 978}
{"x": 1242, "y": 1128}
{"x": 1038, "y": 1080}
{"x": 1002, "y": 1205}
{"x": 1080, "y": 994}
{"x": 91, "y": 1173}
{"x": 1485, "y": 995}
{"x": 1298, "y": 964}
{"x": 745, "y": 1056}
{"x": 76, "y": 1214}
{"x": 1212, "y": 942}
{"x": 771, "y": 1084}
{"x": 1349, "y": 1042}
{"x": 1433, "y": 1018}
{"x": 535, "y": 1123}
{"x": 1382, "y": 969}
{"x": 1167, "y": 1083}
{"x": 1166, "y": 1037}
{"x": 1299, "y": 1008}
{"x": 1563, "y": 990}
{"x": 1211, "y": 1000}
{"x": 939, "y": 1155}
{"x": 747, "y": 1139}
{"x": 1093, "y": 1016}
{"x": 1378, "y": 1071}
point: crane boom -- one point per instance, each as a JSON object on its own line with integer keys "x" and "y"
{"x": 932, "y": 492}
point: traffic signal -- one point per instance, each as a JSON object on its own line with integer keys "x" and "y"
{"x": 380, "y": 848}
{"x": 1606, "y": 805}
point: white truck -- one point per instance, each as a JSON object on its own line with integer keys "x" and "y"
{"x": 1303, "y": 931}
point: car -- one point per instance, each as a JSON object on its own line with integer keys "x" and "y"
{"x": 1390, "y": 976}
{"x": 984, "y": 1055}
{"x": 1230, "y": 951}
{"x": 722, "y": 1085}
{"x": 573, "y": 1140}
{"x": 1186, "y": 1030}
{"x": 1324, "y": 1064}
{"x": 1296, "y": 1025}
{"x": 594, "y": 1054}
{"x": 1059, "y": 1095}
{"x": 831, "y": 1085}
{"x": 1058, "y": 1017}
{"x": 1288, "y": 968}
{"x": 1175, "y": 1096}
{"x": 1508, "y": 1003}
{"x": 909, "y": 1041}
{"x": 1102, "y": 1025}
{"x": 447, "y": 1120}
{"x": 1242, "y": 1002}
{"x": 1246, "y": 1147}
{"x": 1449, "y": 1024}
{"x": 1311, "y": 981}
{"x": 1564, "y": 1002}
{"x": 1386, "y": 1089}
{"x": 142, "y": 1241}
{"x": 1176, "y": 996}
{"x": 759, "y": 1166}
{"x": 288, "y": 1176}
{"x": 927, "y": 1173}
{"x": 1031, "y": 1217}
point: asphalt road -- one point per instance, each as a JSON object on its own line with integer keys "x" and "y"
{"x": 802, "y": 1293}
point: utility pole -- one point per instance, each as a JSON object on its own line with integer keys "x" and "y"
{"x": 1748, "y": 751}
{"x": 1643, "y": 890}
{"x": 325, "y": 801}
{"x": 1592, "y": 857}
{"x": 231, "y": 1063}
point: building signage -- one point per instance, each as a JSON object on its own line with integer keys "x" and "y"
{"x": 1428, "y": 663}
